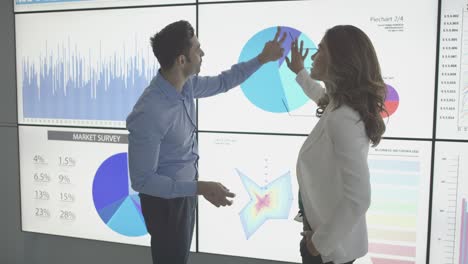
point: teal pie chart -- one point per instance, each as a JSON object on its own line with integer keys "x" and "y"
{"x": 273, "y": 88}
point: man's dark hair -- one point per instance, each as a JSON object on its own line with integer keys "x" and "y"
{"x": 171, "y": 42}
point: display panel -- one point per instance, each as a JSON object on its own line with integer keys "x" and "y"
{"x": 87, "y": 68}
{"x": 452, "y": 105}
{"x": 261, "y": 171}
{"x": 44, "y": 5}
{"x": 449, "y": 226}
{"x": 398, "y": 33}
{"x": 398, "y": 217}
{"x": 74, "y": 182}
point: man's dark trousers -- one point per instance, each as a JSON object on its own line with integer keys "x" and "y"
{"x": 170, "y": 223}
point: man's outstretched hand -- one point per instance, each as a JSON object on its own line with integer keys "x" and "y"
{"x": 273, "y": 49}
{"x": 215, "y": 193}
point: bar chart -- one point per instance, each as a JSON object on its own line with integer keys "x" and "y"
{"x": 397, "y": 217}
{"x": 449, "y": 226}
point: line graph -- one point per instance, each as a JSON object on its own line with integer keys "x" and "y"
{"x": 463, "y": 120}
{"x": 463, "y": 93}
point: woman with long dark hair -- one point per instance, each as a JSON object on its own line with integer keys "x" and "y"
{"x": 332, "y": 169}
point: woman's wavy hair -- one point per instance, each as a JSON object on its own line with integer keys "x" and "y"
{"x": 354, "y": 78}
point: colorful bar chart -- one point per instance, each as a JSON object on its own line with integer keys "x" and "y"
{"x": 393, "y": 213}
{"x": 449, "y": 219}
{"x": 464, "y": 233}
{"x": 397, "y": 217}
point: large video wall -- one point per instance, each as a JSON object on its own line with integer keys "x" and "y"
{"x": 82, "y": 64}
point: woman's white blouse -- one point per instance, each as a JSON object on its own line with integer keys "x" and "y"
{"x": 334, "y": 179}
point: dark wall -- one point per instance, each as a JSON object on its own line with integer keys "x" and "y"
{"x": 7, "y": 62}
{"x": 11, "y": 240}
{"x": 19, "y": 247}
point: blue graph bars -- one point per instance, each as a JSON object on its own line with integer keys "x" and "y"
{"x": 64, "y": 83}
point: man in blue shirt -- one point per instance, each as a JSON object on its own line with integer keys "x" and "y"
{"x": 163, "y": 150}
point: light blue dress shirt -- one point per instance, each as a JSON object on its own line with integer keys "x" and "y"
{"x": 162, "y": 144}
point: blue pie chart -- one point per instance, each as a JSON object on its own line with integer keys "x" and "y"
{"x": 273, "y": 87}
{"x": 115, "y": 201}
